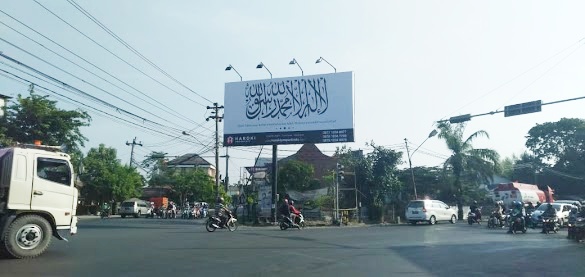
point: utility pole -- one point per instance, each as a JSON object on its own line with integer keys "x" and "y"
{"x": 227, "y": 177}
{"x": 215, "y": 116}
{"x": 411, "y": 171}
{"x": 132, "y": 151}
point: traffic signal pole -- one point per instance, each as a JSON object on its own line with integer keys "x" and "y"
{"x": 511, "y": 110}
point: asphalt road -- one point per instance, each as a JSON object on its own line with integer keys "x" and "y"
{"x": 159, "y": 247}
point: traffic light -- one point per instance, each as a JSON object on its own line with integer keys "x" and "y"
{"x": 460, "y": 118}
{"x": 523, "y": 108}
{"x": 340, "y": 172}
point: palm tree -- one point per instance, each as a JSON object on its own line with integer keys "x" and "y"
{"x": 482, "y": 163}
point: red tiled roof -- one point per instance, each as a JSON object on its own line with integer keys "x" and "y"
{"x": 310, "y": 154}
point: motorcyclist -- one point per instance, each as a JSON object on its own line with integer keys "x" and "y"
{"x": 517, "y": 212}
{"x": 572, "y": 219}
{"x": 530, "y": 208}
{"x": 294, "y": 213}
{"x": 550, "y": 212}
{"x": 475, "y": 209}
{"x": 221, "y": 211}
{"x": 172, "y": 209}
{"x": 497, "y": 212}
{"x": 106, "y": 209}
{"x": 285, "y": 211}
{"x": 537, "y": 204}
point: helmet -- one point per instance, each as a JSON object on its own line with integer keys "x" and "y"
{"x": 292, "y": 202}
{"x": 518, "y": 204}
{"x": 220, "y": 200}
{"x": 474, "y": 202}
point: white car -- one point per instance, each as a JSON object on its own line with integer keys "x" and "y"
{"x": 430, "y": 211}
{"x": 563, "y": 210}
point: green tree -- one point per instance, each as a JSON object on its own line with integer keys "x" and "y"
{"x": 385, "y": 185}
{"x": 429, "y": 182}
{"x": 296, "y": 175}
{"x": 557, "y": 141}
{"x": 194, "y": 184}
{"x": 375, "y": 175}
{"x": 38, "y": 118}
{"x": 467, "y": 164}
{"x": 155, "y": 164}
{"x": 105, "y": 178}
{"x": 559, "y": 155}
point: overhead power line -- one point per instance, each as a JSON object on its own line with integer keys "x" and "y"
{"x": 87, "y": 95}
{"x": 85, "y": 105}
{"x": 118, "y": 57}
{"x": 86, "y": 82}
{"x": 158, "y": 104}
{"x": 101, "y": 25}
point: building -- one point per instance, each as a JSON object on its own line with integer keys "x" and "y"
{"x": 183, "y": 163}
{"x": 190, "y": 162}
{"x": 310, "y": 154}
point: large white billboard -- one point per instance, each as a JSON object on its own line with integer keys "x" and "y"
{"x": 295, "y": 110}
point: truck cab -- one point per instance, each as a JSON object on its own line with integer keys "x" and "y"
{"x": 38, "y": 199}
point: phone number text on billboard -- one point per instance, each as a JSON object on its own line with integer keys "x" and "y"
{"x": 319, "y": 136}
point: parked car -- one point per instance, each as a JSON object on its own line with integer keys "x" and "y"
{"x": 563, "y": 210}
{"x": 430, "y": 211}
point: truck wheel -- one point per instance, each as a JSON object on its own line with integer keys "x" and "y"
{"x": 27, "y": 237}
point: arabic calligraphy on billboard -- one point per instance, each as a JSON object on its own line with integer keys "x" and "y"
{"x": 296, "y": 110}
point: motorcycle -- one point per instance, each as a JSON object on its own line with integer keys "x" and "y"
{"x": 300, "y": 220}
{"x": 472, "y": 218}
{"x": 185, "y": 214}
{"x": 285, "y": 223}
{"x": 495, "y": 222}
{"x": 572, "y": 229}
{"x": 550, "y": 224}
{"x": 580, "y": 229}
{"x": 529, "y": 222}
{"x": 105, "y": 213}
{"x": 171, "y": 214}
{"x": 518, "y": 225}
{"x": 214, "y": 222}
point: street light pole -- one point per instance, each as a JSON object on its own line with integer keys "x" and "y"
{"x": 432, "y": 134}
{"x": 324, "y": 60}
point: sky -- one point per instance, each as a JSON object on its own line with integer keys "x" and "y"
{"x": 414, "y": 63}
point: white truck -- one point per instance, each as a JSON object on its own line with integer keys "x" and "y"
{"x": 38, "y": 199}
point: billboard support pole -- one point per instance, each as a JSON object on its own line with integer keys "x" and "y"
{"x": 274, "y": 180}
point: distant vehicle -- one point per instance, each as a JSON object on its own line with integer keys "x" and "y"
{"x": 430, "y": 211}
{"x": 563, "y": 210}
{"x": 134, "y": 207}
{"x": 37, "y": 199}
{"x": 572, "y": 202}
{"x": 513, "y": 191}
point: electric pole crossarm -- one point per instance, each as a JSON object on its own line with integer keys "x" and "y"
{"x": 133, "y": 143}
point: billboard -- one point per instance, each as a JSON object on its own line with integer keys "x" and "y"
{"x": 295, "y": 110}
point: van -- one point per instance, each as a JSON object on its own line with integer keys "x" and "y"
{"x": 134, "y": 207}
{"x": 430, "y": 211}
